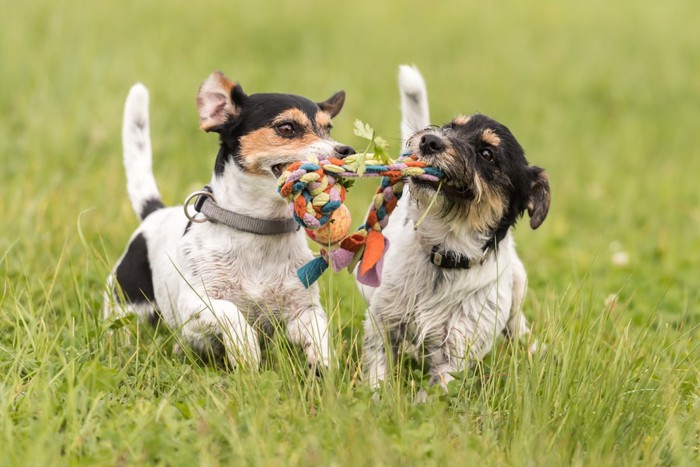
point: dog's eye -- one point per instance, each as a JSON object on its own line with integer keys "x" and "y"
{"x": 487, "y": 154}
{"x": 285, "y": 129}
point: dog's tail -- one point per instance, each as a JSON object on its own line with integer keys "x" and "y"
{"x": 415, "y": 114}
{"x": 136, "y": 139}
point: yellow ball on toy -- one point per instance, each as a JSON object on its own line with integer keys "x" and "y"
{"x": 336, "y": 228}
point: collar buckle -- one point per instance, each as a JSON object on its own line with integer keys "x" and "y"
{"x": 447, "y": 259}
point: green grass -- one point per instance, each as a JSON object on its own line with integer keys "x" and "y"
{"x": 604, "y": 95}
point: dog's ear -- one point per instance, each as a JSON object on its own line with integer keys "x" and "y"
{"x": 333, "y": 104}
{"x": 539, "y": 196}
{"x": 218, "y": 99}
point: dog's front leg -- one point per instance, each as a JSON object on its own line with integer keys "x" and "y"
{"x": 469, "y": 337}
{"x": 517, "y": 327}
{"x": 205, "y": 318}
{"x": 308, "y": 328}
{"x": 445, "y": 360}
{"x": 375, "y": 363}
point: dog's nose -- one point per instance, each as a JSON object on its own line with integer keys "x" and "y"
{"x": 344, "y": 150}
{"x": 431, "y": 144}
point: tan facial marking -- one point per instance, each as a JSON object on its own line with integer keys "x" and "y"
{"x": 489, "y": 136}
{"x": 262, "y": 147}
{"x": 323, "y": 119}
{"x": 486, "y": 210}
{"x": 461, "y": 119}
{"x": 295, "y": 115}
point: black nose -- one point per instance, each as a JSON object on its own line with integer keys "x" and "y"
{"x": 344, "y": 150}
{"x": 431, "y": 144}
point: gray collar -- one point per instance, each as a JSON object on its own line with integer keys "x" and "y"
{"x": 206, "y": 205}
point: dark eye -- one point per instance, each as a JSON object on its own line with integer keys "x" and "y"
{"x": 285, "y": 129}
{"x": 487, "y": 154}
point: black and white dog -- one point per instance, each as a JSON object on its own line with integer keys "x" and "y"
{"x": 452, "y": 285}
{"x": 219, "y": 283}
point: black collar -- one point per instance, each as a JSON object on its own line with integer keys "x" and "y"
{"x": 451, "y": 260}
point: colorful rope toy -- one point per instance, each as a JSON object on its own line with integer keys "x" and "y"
{"x": 316, "y": 190}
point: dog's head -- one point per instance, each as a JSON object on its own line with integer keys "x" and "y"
{"x": 263, "y": 133}
{"x": 489, "y": 183}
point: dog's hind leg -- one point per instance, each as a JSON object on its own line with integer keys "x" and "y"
{"x": 133, "y": 277}
{"x": 517, "y": 328}
{"x": 116, "y": 306}
{"x": 309, "y": 329}
{"x": 208, "y": 318}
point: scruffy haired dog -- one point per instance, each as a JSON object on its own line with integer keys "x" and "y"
{"x": 221, "y": 282}
{"x": 453, "y": 284}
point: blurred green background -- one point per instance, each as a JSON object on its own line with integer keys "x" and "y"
{"x": 604, "y": 95}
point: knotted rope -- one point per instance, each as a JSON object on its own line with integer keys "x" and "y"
{"x": 316, "y": 189}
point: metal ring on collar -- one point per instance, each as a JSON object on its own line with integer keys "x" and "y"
{"x": 189, "y": 199}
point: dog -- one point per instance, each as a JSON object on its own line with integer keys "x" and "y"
{"x": 220, "y": 283}
{"x": 451, "y": 285}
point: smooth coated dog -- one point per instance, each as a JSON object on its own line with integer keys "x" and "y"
{"x": 453, "y": 284}
{"x": 215, "y": 284}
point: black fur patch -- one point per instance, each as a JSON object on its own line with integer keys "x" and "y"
{"x": 134, "y": 273}
{"x": 150, "y": 206}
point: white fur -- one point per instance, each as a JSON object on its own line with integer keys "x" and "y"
{"x": 216, "y": 280}
{"x": 455, "y": 315}
{"x": 415, "y": 114}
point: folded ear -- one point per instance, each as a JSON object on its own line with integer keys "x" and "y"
{"x": 539, "y": 197}
{"x": 333, "y": 104}
{"x": 218, "y": 99}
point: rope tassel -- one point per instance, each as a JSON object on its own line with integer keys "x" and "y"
{"x": 311, "y": 271}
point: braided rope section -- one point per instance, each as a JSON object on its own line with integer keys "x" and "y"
{"x": 315, "y": 190}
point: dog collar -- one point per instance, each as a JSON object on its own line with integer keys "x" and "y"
{"x": 206, "y": 204}
{"x": 450, "y": 260}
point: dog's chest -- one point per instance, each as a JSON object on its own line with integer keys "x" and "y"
{"x": 256, "y": 274}
{"x": 426, "y": 303}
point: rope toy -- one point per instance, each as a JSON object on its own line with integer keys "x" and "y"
{"x": 316, "y": 191}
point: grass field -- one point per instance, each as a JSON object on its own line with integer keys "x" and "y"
{"x": 605, "y": 95}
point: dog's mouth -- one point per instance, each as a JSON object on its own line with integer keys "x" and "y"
{"x": 454, "y": 185}
{"x": 427, "y": 184}
{"x": 278, "y": 169}
{"x": 450, "y": 187}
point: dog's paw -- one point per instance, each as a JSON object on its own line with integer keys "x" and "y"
{"x": 246, "y": 357}
{"x": 421, "y": 397}
{"x": 319, "y": 371}
{"x": 537, "y": 348}
{"x": 317, "y": 356}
